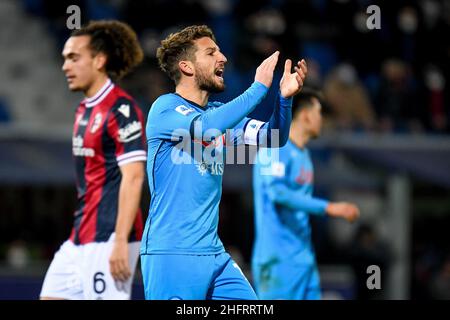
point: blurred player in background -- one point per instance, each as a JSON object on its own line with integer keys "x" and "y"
{"x": 182, "y": 256}
{"x": 99, "y": 259}
{"x": 283, "y": 262}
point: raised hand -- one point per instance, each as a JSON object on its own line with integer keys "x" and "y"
{"x": 264, "y": 73}
{"x": 292, "y": 83}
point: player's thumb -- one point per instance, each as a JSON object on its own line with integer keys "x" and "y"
{"x": 287, "y": 66}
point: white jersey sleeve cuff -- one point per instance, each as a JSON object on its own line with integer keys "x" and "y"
{"x": 133, "y": 156}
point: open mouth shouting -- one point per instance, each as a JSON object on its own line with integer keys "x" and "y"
{"x": 219, "y": 73}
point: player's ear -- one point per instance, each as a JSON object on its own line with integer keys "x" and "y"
{"x": 186, "y": 67}
{"x": 100, "y": 60}
{"x": 305, "y": 114}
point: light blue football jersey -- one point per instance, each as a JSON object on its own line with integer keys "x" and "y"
{"x": 186, "y": 163}
{"x": 283, "y": 187}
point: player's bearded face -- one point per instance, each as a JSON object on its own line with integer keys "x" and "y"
{"x": 209, "y": 65}
{"x": 209, "y": 80}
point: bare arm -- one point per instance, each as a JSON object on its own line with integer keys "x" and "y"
{"x": 129, "y": 199}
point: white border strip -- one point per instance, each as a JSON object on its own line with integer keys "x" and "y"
{"x": 132, "y": 159}
{"x": 131, "y": 154}
{"x": 251, "y": 131}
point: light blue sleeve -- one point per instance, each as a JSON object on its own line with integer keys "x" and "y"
{"x": 279, "y": 190}
{"x": 236, "y": 136}
{"x": 229, "y": 114}
{"x": 273, "y": 133}
{"x": 295, "y": 200}
{"x": 170, "y": 119}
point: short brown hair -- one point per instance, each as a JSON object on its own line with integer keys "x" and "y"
{"x": 118, "y": 41}
{"x": 304, "y": 99}
{"x": 179, "y": 46}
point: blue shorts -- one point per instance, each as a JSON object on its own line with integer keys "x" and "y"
{"x": 286, "y": 280}
{"x": 194, "y": 277}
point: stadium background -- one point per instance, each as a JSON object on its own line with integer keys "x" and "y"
{"x": 385, "y": 145}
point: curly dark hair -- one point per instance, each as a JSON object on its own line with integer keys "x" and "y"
{"x": 117, "y": 41}
{"x": 180, "y": 46}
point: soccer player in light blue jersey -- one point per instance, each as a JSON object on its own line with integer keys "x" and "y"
{"x": 182, "y": 256}
{"x": 283, "y": 262}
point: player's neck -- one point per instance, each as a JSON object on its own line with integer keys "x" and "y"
{"x": 298, "y": 137}
{"x": 192, "y": 93}
{"x": 95, "y": 87}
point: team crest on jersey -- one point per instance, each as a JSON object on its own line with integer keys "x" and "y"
{"x": 96, "y": 123}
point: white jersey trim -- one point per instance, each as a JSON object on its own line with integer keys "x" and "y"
{"x": 100, "y": 95}
{"x": 133, "y": 156}
{"x": 251, "y": 131}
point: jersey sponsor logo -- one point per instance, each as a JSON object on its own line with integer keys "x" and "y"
{"x": 125, "y": 110}
{"x": 304, "y": 177}
{"x": 215, "y": 169}
{"x": 130, "y": 132}
{"x": 202, "y": 168}
{"x": 184, "y": 110}
{"x": 96, "y": 123}
{"x": 215, "y": 142}
{"x": 80, "y": 120}
{"x": 278, "y": 169}
{"x": 78, "y": 149}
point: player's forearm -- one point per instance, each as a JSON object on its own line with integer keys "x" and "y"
{"x": 129, "y": 199}
{"x": 280, "y": 121}
{"x": 228, "y": 115}
{"x": 295, "y": 200}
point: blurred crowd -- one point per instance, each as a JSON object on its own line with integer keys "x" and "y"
{"x": 391, "y": 79}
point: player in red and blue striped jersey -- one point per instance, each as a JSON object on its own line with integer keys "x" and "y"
{"x": 108, "y": 144}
